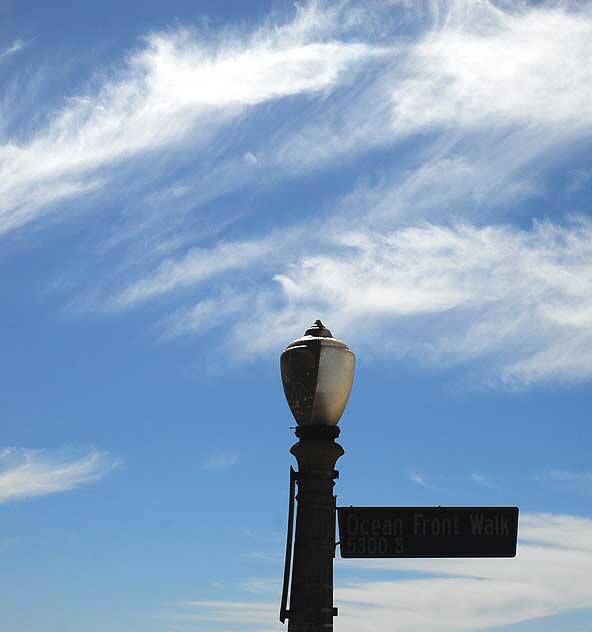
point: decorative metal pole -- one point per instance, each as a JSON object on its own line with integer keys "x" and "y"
{"x": 317, "y": 374}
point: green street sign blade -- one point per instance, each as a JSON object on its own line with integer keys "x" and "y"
{"x": 379, "y": 532}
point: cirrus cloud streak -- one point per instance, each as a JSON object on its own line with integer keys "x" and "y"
{"x": 442, "y": 293}
{"x": 26, "y": 473}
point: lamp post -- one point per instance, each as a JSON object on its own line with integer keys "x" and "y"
{"x": 317, "y": 375}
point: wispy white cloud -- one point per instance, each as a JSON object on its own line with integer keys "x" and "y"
{"x": 28, "y": 473}
{"x": 520, "y": 298}
{"x": 220, "y": 461}
{"x": 548, "y": 577}
{"x": 486, "y": 77}
{"x": 488, "y": 62}
{"x": 579, "y": 179}
{"x": 492, "y": 113}
{"x": 485, "y": 481}
{"x": 568, "y": 477}
{"x": 408, "y": 248}
{"x": 176, "y": 90}
{"x": 228, "y": 612}
{"x": 182, "y": 90}
{"x": 267, "y": 585}
{"x": 196, "y": 266}
{"x": 204, "y": 316}
{"x": 417, "y": 477}
{"x": 217, "y": 585}
{"x": 15, "y": 47}
{"x": 444, "y": 293}
{"x": 262, "y": 556}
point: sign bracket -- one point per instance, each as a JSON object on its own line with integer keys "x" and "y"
{"x": 284, "y": 612}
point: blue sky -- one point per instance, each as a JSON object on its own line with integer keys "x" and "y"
{"x": 184, "y": 188}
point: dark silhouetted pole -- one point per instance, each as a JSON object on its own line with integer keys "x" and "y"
{"x": 317, "y": 374}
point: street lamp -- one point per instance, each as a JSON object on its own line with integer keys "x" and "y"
{"x": 317, "y": 375}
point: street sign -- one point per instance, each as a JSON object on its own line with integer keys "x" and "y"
{"x": 428, "y": 531}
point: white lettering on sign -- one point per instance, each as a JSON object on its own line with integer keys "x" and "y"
{"x": 374, "y": 536}
{"x": 435, "y": 526}
{"x": 374, "y": 545}
{"x": 494, "y": 525}
{"x": 375, "y": 527}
